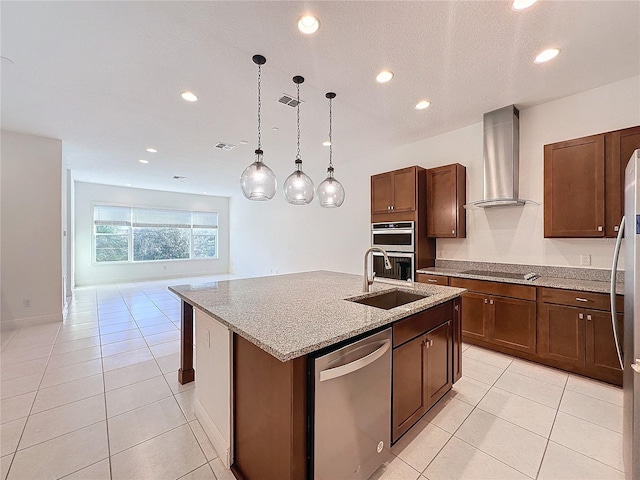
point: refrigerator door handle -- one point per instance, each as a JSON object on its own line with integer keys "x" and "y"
{"x": 614, "y": 314}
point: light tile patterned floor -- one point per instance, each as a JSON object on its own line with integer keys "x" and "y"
{"x": 97, "y": 397}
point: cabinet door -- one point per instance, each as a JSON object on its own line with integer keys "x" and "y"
{"x": 574, "y": 188}
{"x": 409, "y": 377}
{"x": 446, "y": 195}
{"x": 619, "y": 146}
{"x": 561, "y": 334}
{"x": 381, "y": 192}
{"x": 513, "y": 323}
{"x": 602, "y": 358}
{"x": 474, "y": 322}
{"x": 404, "y": 190}
{"x": 438, "y": 347}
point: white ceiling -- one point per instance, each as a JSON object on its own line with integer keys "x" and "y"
{"x": 106, "y": 77}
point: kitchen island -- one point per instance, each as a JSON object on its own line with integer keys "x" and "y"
{"x": 256, "y": 339}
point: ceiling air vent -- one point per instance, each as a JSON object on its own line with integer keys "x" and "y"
{"x": 224, "y": 146}
{"x": 288, "y": 100}
{"x": 179, "y": 177}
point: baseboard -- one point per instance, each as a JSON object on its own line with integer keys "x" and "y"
{"x": 30, "y": 321}
{"x": 216, "y": 438}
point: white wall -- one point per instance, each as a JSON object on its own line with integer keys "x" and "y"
{"x": 31, "y": 205}
{"x": 274, "y": 236}
{"x": 88, "y": 273}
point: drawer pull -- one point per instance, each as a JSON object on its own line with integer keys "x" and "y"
{"x": 431, "y": 280}
{"x": 580, "y": 316}
{"x": 588, "y": 317}
{"x": 486, "y": 301}
{"x": 581, "y": 299}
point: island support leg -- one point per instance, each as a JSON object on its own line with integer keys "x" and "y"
{"x": 186, "y": 373}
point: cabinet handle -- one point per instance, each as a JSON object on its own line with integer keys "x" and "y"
{"x": 431, "y": 280}
{"x": 453, "y": 231}
{"x": 456, "y": 307}
{"x": 388, "y": 207}
{"x": 491, "y": 302}
{"x": 616, "y": 228}
{"x": 580, "y": 316}
{"x": 599, "y": 228}
{"x": 431, "y": 343}
{"x": 486, "y": 301}
{"x": 426, "y": 344}
{"x": 581, "y": 299}
{"x": 391, "y": 207}
{"x": 588, "y": 317}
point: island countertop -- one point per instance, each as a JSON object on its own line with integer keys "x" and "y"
{"x": 292, "y": 315}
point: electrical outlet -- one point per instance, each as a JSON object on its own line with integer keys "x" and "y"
{"x": 585, "y": 260}
{"x": 207, "y": 336}
{"x": 26, "y": 303}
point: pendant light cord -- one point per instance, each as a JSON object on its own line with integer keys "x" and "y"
{"x": 298, "y": 107}
{"x": 330, "y": 138}
{"x": 259, "y": 105}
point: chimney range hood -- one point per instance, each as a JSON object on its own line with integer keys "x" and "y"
{"x": 501, "y": 137}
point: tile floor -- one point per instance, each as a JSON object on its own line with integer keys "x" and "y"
{"x": 97, "y": 397}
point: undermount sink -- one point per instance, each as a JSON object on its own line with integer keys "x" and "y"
{"x": 390, "y": 299}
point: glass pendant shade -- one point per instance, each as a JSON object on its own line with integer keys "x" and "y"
{"x": 258, "y": 181}
{"x": 298, "y": 187}
{"x": 330, "y": 191}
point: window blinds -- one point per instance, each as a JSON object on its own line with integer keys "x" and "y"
{"x": 107, "y": 215}
{"x": 151, "y": 217}
{"x": 143, "y": 217}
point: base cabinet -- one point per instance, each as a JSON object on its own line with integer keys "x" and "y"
{"x": 561, "y": 332}
{"x": 422, "y": 370}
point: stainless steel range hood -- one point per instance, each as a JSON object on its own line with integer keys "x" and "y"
{"x": 501, "y": 159}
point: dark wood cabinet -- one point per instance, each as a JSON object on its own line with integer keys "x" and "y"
{"x": 446, "y": 196}
{"x": 394, "y": 192}
{"x": 619, "y": 146}
{"x": 498, "y": 314}
{"x": 433, "y": 279}
{"x": 422, "y": 365}
{"x": 584, "y": 184}
{"x": 574, "y": 188}
{"x": 456, "y": 331}
{"x": 575, "y": 333}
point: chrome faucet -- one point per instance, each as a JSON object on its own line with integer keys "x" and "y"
{"x": 387, "y": 265}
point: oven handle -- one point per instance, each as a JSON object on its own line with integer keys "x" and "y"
{"x": 394, "y": 254}
{"x": 392, "y": 231}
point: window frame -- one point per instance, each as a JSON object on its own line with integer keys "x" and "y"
{"x": 130, "y": 234}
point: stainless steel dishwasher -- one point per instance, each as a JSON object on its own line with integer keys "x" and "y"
{"x": 352, "y": 428}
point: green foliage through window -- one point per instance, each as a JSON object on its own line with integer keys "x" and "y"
{"x": 129, "y": 234}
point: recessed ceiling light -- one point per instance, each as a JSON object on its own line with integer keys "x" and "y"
{"x": 384, "y": 76}
{"x": 189, "y": 96}
{"x": 546, "y": 55}
{"x": 127, "y": 184}
{"x": 142, "y": 160}
{"x": 422, "y": 104}
{"x": 6, "y": 60}
{"x": 204, "y": 193}
{"x": 275, "y": 129}
{"x": 152, "y": 150}
{"x": 326, "y": 143}
{"x": 522, "y": 4}
{"x": 308, "y": 24}
{"x": 243, "y": 142}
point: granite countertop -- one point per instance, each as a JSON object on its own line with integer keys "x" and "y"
{"x": 580, "y": 284}
{"x": 292, "y": 315}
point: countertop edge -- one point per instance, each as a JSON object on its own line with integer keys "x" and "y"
{"x": 539, "y": 282}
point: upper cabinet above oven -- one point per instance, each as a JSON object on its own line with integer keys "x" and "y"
{"x": 394, "y": 195}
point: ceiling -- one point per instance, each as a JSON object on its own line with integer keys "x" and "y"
{"x": 106, "y": 77}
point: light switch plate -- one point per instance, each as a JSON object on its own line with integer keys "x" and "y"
{"x": 585, "y": 260}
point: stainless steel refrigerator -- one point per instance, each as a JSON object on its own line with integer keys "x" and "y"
{"x": 629, "y": 347}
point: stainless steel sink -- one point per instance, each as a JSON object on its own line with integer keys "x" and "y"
{"x": 390, "y": 299}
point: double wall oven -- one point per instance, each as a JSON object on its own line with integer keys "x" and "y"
{"x": 398, "y": 240}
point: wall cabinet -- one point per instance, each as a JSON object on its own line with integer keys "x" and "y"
{"x": 422, "y": 365}
{"x": 584, "y": 183}
{"x": 394, "y": 192}
{"x": 499, "y": 314}
{"x": 446, "y": 196}
{"x": 577, "y": 338}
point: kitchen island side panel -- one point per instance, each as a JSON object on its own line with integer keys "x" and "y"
{"x": 270, "y": 412}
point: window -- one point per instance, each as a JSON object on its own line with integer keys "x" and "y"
{"x": 130, "y": 234}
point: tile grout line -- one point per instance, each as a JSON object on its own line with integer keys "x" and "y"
{"x": 551, "y": 431}
{"x": 104, "y": 390}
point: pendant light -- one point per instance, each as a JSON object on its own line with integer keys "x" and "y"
{"x": 258, "y": 181}
{"x": 330, "y": 191}
{"x": 298, "y": 187}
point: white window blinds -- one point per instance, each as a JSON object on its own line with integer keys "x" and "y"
{"x": 107, "y": 215}
{"x": 205, "y": 220}
{"x": 161, "y": 218}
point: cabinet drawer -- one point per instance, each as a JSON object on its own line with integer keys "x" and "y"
{"x": 432, "y": 279}
{"x": 574, "y": 298}
{"x": 421, "y": 323}
{"x": 523, "y": 292}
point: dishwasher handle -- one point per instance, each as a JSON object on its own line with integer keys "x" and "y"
{"x": 331, "y": 373}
